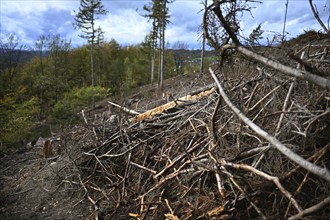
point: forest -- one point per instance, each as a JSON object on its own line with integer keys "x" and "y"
{"x": 42, "y": 90}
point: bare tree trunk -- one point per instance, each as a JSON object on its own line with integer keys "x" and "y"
{"x": 203, "y": 41}
{"x": 202, "y": 54}
{"x": 159, "y": 61}
{"x": 162, "y": 59}
{"x": 153, "y": 63}
{"x": 92, "y": 62}
{"x": 162, "y": 49}
{"x": 285, "y": 16}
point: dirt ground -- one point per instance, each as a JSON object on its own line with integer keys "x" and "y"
{"x": 34, "y": 189}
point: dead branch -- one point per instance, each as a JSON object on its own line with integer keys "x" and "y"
{"x": 321, "y": 172}
{"x": 316, "y": 15}
{"x": 315, "y": 79}
{"x": 129, "y": 111}
{"x": 275, "y": 180}
{"x": 311, "y": 209}
{"x": 306, "y": 75}
{"x": 84, "y": 117}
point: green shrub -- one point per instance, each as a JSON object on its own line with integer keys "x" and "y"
{"x": 76, "y": 100}
{"x": 19, "y": 122}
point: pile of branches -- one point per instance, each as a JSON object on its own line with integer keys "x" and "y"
{"x": 256, "y": 147}
{"x": 202, "y": 160}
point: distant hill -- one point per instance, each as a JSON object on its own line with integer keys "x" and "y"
{"x": 18, "y": 56}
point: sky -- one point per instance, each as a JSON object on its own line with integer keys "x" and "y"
{"x": 29, "y": 19}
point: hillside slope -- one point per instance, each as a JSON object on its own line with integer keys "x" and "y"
{"x": 197, "y": 160}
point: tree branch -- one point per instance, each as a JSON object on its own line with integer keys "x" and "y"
{"x": 316, "y": 15}
{"x": 311, "y": 209}
{"x": 321, "y": 172}
{"x": 306, "y": 75}
{"x": 318, "y": 80}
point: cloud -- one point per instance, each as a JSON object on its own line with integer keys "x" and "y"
{"x": 270, "y": 14}
{"x": 31, "y": 18}
{"x": 127, "y": 27}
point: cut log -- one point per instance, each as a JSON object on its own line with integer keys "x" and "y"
{"x": 195, "y": 95}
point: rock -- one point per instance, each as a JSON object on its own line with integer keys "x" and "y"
{"x": 40, "y": 142}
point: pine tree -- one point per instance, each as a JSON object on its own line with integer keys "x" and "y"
{"x": 85, "y": 21}
{"x": 153, "y": 36}
{"x": 256, "y": 35}
{"x": 158, "y": 13}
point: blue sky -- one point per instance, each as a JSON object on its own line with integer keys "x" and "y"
{"x": 31, "y": 18}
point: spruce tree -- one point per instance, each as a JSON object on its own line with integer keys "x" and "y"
{"x": 85, "y": 21}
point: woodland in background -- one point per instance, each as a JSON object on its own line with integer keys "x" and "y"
{"x": 42, "y": 89}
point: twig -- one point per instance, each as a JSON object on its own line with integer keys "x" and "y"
{"x": 142, "y": 167}
{"x": 95, "y": 203}
{"x": 220, "y": 184}
{"x": 284, "y": 109}
{"x": 266, "y": 96}
{"x": 251, "y": 95}
{"x": 318, "y": 154}
{"x": 126, "y": 174}
{"x": 215, "y": 140}
{"x": 297, "y": 191}
{"x": 315, "y": 119}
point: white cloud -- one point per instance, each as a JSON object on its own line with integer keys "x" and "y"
{"x": 31, "y": 18}
{"x": 128, "y": 27}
